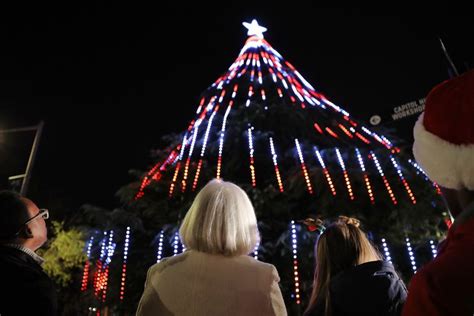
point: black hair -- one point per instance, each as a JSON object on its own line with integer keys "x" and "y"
{"x": 13, "y": 213}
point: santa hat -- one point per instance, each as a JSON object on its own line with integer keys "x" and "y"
{"x": 444, "y": 133}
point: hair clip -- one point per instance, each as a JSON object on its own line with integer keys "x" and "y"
{"x": 349, "y": 220}
{"x": 313, "y": 224}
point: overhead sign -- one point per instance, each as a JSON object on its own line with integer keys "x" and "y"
{"x": 408, "y": 109}
{"x": 398, "y": 112}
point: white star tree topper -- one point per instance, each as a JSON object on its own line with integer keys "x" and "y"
{"x": 254, "y": 29}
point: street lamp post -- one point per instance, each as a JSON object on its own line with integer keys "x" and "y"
{"x": 34, "y": 149}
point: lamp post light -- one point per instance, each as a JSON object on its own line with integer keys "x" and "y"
{"x": 34, "y": 149}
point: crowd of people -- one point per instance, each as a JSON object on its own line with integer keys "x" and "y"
{"x": 215, "y": 275}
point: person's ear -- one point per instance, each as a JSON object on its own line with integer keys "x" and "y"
{"x": 26, "y": 232}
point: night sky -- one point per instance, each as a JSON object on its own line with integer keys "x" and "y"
{"x": 108, "y": 81}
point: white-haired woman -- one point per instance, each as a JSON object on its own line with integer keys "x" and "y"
{"x": 215, "y": 276}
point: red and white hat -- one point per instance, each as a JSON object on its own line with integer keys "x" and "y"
{"x": 444, "y": 133}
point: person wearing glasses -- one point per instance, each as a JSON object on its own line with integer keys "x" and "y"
{"x": 26, "y": 289}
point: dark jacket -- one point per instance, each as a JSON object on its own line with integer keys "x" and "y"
{"x": 372, "y": 288}
{"x": 25, "y": 288}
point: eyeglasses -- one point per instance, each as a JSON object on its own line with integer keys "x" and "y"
{"x": 43, "y": 212}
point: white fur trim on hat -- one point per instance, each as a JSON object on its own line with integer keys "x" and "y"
{"x": 450, "y": 165}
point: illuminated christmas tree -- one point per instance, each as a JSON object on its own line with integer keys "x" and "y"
{"x": 262, "y": 126}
